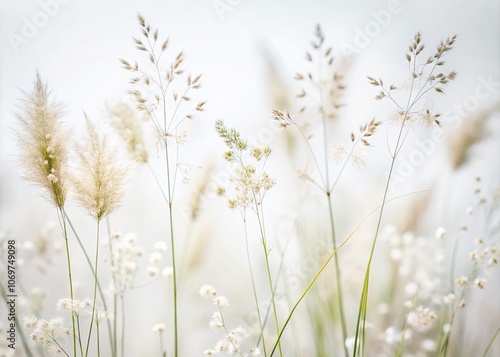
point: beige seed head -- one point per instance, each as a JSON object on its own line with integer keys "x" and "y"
{"x": 99, "y": 184}
{"x": 43, "y": 142}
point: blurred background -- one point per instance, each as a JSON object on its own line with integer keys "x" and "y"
{"x": 249, "y": 52}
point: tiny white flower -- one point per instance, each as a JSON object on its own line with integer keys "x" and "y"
{"x": 160, "y": 247}
{"x": 216, "y": 321}
{"x": 440, "y": 233}
{"x": 221, "y": 301}
{"x": 158, "y": 328}
{"x": 448, "y": 299}
{"x": 168, "y": 272}
{"x": 153, "y": 271}
{"x": 207, "y": 291}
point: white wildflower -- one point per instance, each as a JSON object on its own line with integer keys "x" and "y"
{"x": 207, "y": 291}
{"x": 158, "y": 328}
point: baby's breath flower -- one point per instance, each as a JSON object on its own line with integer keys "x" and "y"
{"x": 221, "y": 301}
{"x": 168, "y": 272}
{"x": 124, "y": 257}
{"x": 423, "y": 317}
{"x": 449, "y": 298}
{"x": 130, "y": 238}
{"x": 30, "y": 322}
{"x": 74, "y": 306}
{"x": 209, "y": 352}
{"x": 207, "y": 291}
{"x": 255, "y": 352}
{"x": 158, "y": 328}
{"x": 216, "y": 321}
{"x": 153, "y": 271}
{"x": 462, "y": 280}
{"x": 160, "y": 247}
{"x": 440, "y": 233}
{"x": 429, "y": 345}
{"x": 47, "y": 333}
{"x": 155, "y": 258}
{"x": 479, "y": 283}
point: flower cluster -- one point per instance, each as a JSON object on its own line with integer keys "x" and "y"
{"x": 250, "y": 181}
{"x": 124, "y": 259}
{"x": 50, "y": 334}
{"x": 155, "y": 259}
{"x": 233, "y": 338}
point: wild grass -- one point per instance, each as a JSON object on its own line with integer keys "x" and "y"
{"x": 411, "y": 280}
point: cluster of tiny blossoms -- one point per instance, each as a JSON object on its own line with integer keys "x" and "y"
{"x": 155, "y": 259}
{"x": 233, "y": 338}
{"x": 124, "y": 256}
{"x": 251, "y": 182}
{"x": 50, "y": 334}
{"x": 74, "y": 306}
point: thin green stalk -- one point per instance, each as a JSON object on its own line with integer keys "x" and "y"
{"x": 172, "y": 243}
{"x": 78, "y": 325}
{"x": 112, "y": 332}
{"x": 94, "y": 299}
{"x": 309, "y": 286}
{"x": 360, "y": 330}
{"x": 122, "y": 342}
{"x": 101, "y": 293}
{"x": 323, "y": 267}
{"x": 254, "y": 289}
{"x": 161, "y": 345}
{"x": 98, "y": 340}
{"x": 338, "y": 276}
{"x": 268, "y": 268}
{"x": 491, "y": 343}
{"x": 68, "y": 259}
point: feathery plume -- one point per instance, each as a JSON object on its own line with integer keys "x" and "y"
{"x": 100, "y": 181}
{"x": 43, "y": 143}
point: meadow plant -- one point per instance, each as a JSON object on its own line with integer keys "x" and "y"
{"x": 165, "y": 106}
{"x": 421, "y": 295}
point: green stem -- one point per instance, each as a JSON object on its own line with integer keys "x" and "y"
{"x": 338, "y": 276}
{"x": 360, "y": 329}
{"x": 491, "y": 343}
{"x": 122, "y": 342}
{"x": 268, "y": 268}
{"x": 98, "y": 341}
{"x": 68, "y": 259}
{"x": 172, "y": 243}
{"x": 254, "y": 289}
{"x": 323, "y": 267}
{"x": 101, "y": 293}
{"x": 94, "y": 299}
